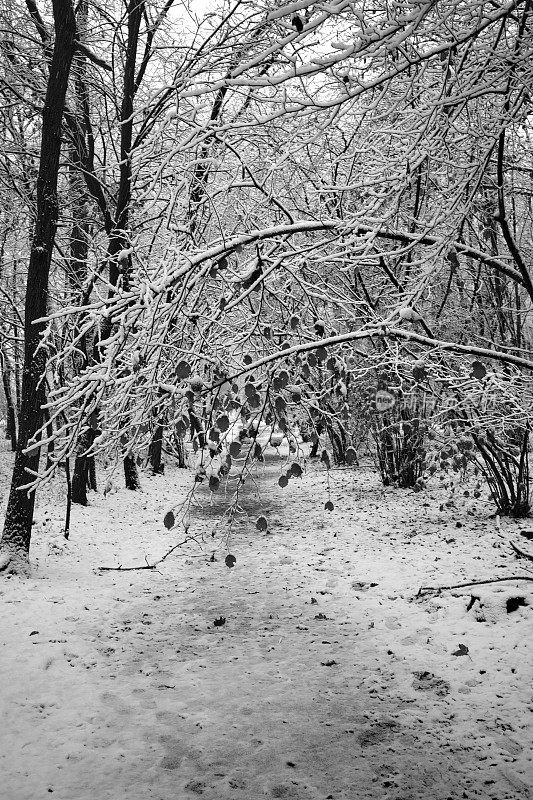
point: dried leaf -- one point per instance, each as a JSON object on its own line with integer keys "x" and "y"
{"x": 462, "y": 650}
{"x": 169, "y": 520}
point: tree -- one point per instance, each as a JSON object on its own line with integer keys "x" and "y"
{"x": 17, "y": 529}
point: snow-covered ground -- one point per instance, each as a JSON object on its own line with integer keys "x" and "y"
{"x": 329, "y": 678}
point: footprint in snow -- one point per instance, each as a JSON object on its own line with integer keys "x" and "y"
{"x": 427, "y": 681}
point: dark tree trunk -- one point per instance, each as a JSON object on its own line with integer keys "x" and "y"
{"x": 117, "y": 240}
{"x": 131, "y": 473}
{"x": 156, "y": 450}
{"x": 50, "y": 445}
{"x": 91, "y": 474}
{"x": 196, "y": 429}
{"x": 11, "y": 417}
{"x": 180, "y": 447}
{"x": 316, "y": 442}
{"x": 84, "y": 476}
{"x": 66, "y": 532}
{"x": 16, "y": 536}
{"x": 79, "y": 481}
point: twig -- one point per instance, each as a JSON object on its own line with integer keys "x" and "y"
{"x": 521, "y": 553}
{"x": 120, "y": 568}
{"x": 472, "y": 583}
{"x": 66, "y": 532}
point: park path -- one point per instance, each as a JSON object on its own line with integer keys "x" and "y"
{"x": 328, "y": 679}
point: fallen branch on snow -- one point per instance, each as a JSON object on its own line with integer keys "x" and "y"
{"x": 120, "y": 568}
{"x": 521, "y": 553}
{"x": 427, "y": 589}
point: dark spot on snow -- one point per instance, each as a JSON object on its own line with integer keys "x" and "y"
{"x": 197, "y": 787}
{"x": 513, "y": 603}
{"x": 171, "y": 761}
{"x": 362, "y": 586}
{"x": 380, "y": 732}
{"x": 281, "y": 790}
{"x": 428, "y": 681}
{"x": 471, "y": 602}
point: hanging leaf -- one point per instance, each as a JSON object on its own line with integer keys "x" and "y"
{"x": 478, "y": 370}
{"x": 283, "y": 378}
{"x": 93, "y": 420}
{"x": 261, "y": 524}
{"x": 214, "y": 437}
{"x": 214, "y": 483}
{"x": 311, "y": 360}
{"x": 230, "y": 561}
{"x": 419, "y": 371}
{"x": 294, "y": 321}
{"x": 325, "y": 459}
{"x": 169, "y": 520}
{"x": 197, "y": 383}
{"x": 351, "y": 456}
{"x": 296, "y": 470}
{"x": 222, "y": 423}
{"x": 234, "y": 449}
{"x": 321, "y": 353}
{"x": 283, "y": 481}
{"x": 183, "y": 370}
{"x": 276, "y": 438}
{"x": 247, "y": 359}
{"x": 249, "y": 389}
{"x": 451, "y": 256}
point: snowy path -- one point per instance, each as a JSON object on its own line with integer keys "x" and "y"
{"x": 319, "y": 685}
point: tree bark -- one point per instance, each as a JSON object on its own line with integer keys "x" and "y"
{"x": 16, "y": 536}
{"x": 11, "y": 418}
{"x": 156, "y": 451}
{"x": 131, "y": 473}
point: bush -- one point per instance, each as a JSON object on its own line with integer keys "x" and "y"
{"x": 504, "y": 464}
{"x": 400, "y": 448}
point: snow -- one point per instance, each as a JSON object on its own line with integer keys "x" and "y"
{"x": 329, "y": 679}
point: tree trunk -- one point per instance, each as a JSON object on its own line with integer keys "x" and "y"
{"x": 91, "y": 474}
{"x": 84, "y": 476}
{"x": 50, "y": 447}
{"x": 16, "y": 536}
{"x": 79, "y": 481}
{"x": 180, "y": 447}
{"x": 156, "y": 450}
{"x": 131, "y": 473}
{"x": 11, "y": 417}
